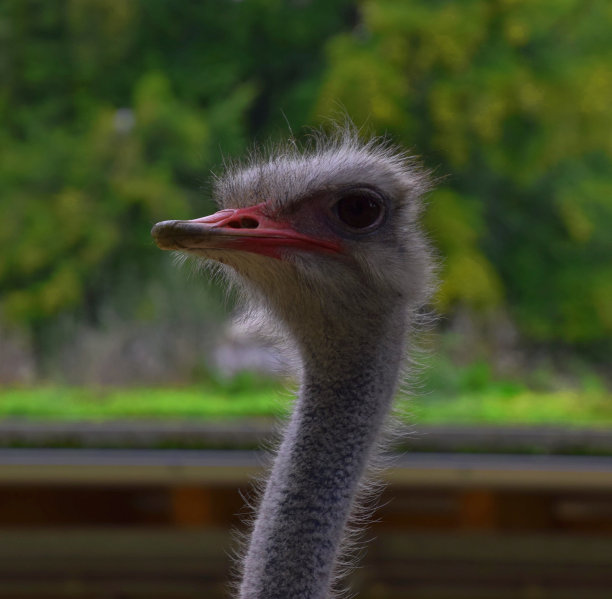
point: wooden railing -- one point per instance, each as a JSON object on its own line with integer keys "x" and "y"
{"x": 136, "y": 523}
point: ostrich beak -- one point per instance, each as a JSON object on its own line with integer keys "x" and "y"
{"x": 244, "y": 229}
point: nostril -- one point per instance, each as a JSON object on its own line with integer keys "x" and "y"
{"x": 243, "y": 223}
{"x": 248, "y": 223}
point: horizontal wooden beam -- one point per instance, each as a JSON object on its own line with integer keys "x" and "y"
{"x": 250, "y": 434}
{"x": 237, "y": 467}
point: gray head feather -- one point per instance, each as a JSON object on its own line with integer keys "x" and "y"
{"x": 392, "y": 263}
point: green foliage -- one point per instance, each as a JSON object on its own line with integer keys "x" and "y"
{"x": 80, "y": 201}
{"x": 451, "y": 396}
{"x": 511, "y": 97}
{"x": 469, "y": 278}
{"x": 495, "y": 405}
{"x": 112, "y": 113}
{"x": 473, "y": 395}
{"x": 73, "y": 403}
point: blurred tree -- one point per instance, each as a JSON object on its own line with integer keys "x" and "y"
{"x": 112, "y": 113}
{"x": 513, "y": 98}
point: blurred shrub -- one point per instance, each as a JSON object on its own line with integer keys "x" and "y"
{"x": 112, "y": 113}
{"x": 510, "y": 97}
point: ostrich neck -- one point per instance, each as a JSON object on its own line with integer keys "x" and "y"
{"x": 348, "y": 386}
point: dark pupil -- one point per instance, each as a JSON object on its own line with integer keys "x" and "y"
{"x": 358, "y": 211}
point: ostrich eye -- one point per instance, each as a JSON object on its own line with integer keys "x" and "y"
{"x": 359, "y": 209}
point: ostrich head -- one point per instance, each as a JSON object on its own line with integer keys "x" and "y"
{"x": 322, "y": 238}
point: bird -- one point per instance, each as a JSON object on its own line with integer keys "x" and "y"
{"x": 324, "y": 241}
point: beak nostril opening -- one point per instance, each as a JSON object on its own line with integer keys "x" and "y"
{"x": 248, "y": 223}
{"x": 243, "y": 223}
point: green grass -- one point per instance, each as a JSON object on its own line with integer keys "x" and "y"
{"x": 210, "y": 401}
{"x": 472, "y": 395}
{"x": 496, "y": 406}
{"x": 450, "y": 396}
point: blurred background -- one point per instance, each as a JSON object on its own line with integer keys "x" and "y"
{"x": 114, "y": 114}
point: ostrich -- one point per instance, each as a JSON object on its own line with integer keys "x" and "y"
{"x": 325, "y": 242}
